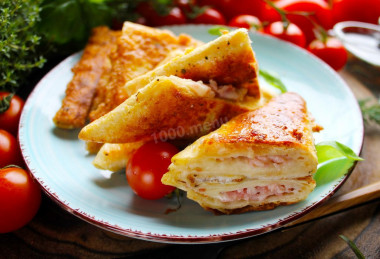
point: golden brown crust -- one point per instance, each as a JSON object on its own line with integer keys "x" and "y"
{"x": 87, "y": 72}
{"x": 163, "y": 110}
{"x": 283, "y": 121}
{"x": 195, "y": 115}
{"x": 227, "y": 60}
{"x": 239, "y": 71}
{"x": 139, "y": 50}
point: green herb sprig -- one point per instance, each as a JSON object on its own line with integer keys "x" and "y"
{"x": 371, "y": 113}
{"x": 18, "y": 42}
{"x": 353, "y": 247}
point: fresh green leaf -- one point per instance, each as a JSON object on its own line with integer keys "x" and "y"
{"x": 326, "y": 152}
{"x": 353, "y": 247}
{"x": 273, "y": 80}
{"x": 64, "y": 21}
{"x": 326, "y": 148}
{"x": 335, "y": 159}
{"x": 332, "y": 170}
{"x": 216, "y": 30}
{"x": 371, "y": 113}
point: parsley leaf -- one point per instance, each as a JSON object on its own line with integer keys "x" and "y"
{"x": 64, "y": 21}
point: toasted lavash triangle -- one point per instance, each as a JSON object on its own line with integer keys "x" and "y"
{"x": 228, "y": 59}
{"x": 256, "y": 161}
{"x": 167, "y": 108}
{"x": 138, "y": 50}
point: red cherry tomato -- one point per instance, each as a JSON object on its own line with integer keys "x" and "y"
{"x": 232, "y": 8}
{"x": 185, "y": 5}
{"x": 320, "y": 10}
{"x": 10, "y": 118}
{"x": 292, "y": 33}
{"x": 146, "y": 167}
{"x": 175, "y": 16}
{"x": 246, "y": 21}
{"x": 354, "y": 10}
{"x": 332, "y": 52}
{"x": 10, "y": 153}
{"x": 20, "y": 199}
{"x": 145, "y": 9}
{"x": 209, "y": 16}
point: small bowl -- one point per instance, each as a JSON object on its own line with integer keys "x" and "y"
{"x": 361, "y": 39}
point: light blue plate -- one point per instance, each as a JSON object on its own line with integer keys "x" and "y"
{"x": 59, "y": 162}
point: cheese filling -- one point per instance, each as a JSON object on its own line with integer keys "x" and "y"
{"x": 258, "y": 193}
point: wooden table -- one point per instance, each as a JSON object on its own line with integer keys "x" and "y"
{"x": 54, "y": 233}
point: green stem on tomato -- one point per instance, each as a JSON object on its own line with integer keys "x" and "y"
{"x": 281, "y": 12}
{"x": 320, "y": 32}
{"x": 5, "y": 102}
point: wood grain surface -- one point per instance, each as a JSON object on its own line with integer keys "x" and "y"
{"x": 54, "y": 233}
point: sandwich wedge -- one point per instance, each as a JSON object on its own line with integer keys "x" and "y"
{"x": 139, "y": 49}
{"x": 228, "y": 60}
{"x": 227, "y": 69}
{"x": 257, "y": 161}
{"x": 168, "y": 108}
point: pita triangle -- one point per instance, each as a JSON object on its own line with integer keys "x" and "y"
{"x": 168, "y": 108}
{"x": 257, "y": 161}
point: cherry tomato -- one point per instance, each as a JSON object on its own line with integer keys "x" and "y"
{"x": 319, "y": 10}
{"x": 20, "y": 199}
{"x": 146, "y": 167}
{"x": 185, "y": 5}
{"x": 10, "y": 118}
{"x": 354, "y": 10}
{"x": 246, "y": 21}
{"x": 210, "y": 16}
{"x": 146, "y": 10}
{"x": 10, "y": 153}
{"x": 232, "y": 8}
{"x": 175, "y": 15}
{"x": 332, "y": 52}
{"x": 292, "y": 33}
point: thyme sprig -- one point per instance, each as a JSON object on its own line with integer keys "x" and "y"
{"x": 18, "y": 42}
{"x": 371, "y": 113}
{"x": 353, "y": 247}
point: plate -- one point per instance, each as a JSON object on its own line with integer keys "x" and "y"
{"x": 59, "y": 162}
